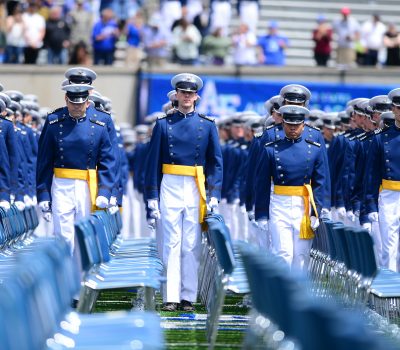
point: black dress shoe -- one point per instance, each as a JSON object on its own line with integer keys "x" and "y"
{"x": 187, "y": 306}
{"x": 169, "y": 307}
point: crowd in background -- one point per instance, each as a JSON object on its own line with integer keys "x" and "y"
{"x": 185, "y": 32}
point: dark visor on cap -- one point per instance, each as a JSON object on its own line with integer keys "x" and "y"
{"x": 294, "y": 97}
{"x": 186, "y": 86}
{"x": 80, "y": 79}
{"x": 396, "y": 100}
{"x": 77, "y": 97}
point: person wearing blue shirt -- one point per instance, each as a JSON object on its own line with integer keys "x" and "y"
{"x": 184, "y": 166}
{"x": 272, "y": 46}
{"x": 295, "y": 166}
{"x": 76, "y": 163}
{"x": 104, "y": 37}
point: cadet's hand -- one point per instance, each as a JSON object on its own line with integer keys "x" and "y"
{"x": 154, "y": 208}
{"x": 47, "y": 215}
{"x": 236, "y": 201}
{"x": 113, "y": 201}
{"x": 351, "y": 216}
{"x": 374, "y": 217}
{"x": 28, "y": 201}
{"x": 263, "y": 224}
{"x": 326, "y": 214}
{"x": 250, "y": 215}
{"x": 212, "y": 204}
{"x": 20, "y": 205}
{"x": 44, "y": 206}
{"x": 5, "y": 205}
{"x": 314, "y": 222}
{"x": 34, "y": 200}
{"x": 102, "y": 202}
{"x": 112, "y": 210}
{"x": 151, "y": 224}
{"x": 341, "y": 211}
{"x": 367, "y": 226}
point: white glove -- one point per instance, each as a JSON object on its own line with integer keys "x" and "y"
{"x": 341, "y": 211}
{"x": 236, "y": 201}
{"x": 20, "y": 205}
{"x": 5, "y": 205}
{"x": 263, "y": 224}
{"x": 367, "y": 226}
{"x": 34, "y": 200}
{"x": 113, "y": 209}
{"x": 113, "y": 201}
{"x": 28, "y": 201}
{"x": 357, "y": 213}
{"x": 314, "y": 223}
{"x": 351, "y": 216}
{"x": 12, "y": 198}
{"x": 243, "y": 209}
{"x": 47, "y": 215}
{"x": 374, "y": 217}
{"x": 102, "y": 202}
{"x": 44, "y": 206}
{"x": 325, "y": 214}
{"x": 212, "y": 204}
{"x": 250, "y": 215}
{"x": 151, "y": 224}
{"x": 154, "y": 208}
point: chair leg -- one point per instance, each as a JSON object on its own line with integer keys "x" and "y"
{"x": 149, "y": 298}
{"x": 87, "y": 299}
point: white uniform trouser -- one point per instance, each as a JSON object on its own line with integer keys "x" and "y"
{"x": 249, "y": 14}
{"x": 221, "y": 15}
{"x": 232, "y": 220}
{"x": 389, "y": 223}
{"x": 285, "y": 215}
{"x": 376, "y": 236}
{"x": 181, "y": 237}
{"x": 243, "y": 224}
{"x": 128, "y": 213}
{"x": 44, "y": 228}
{"x": 170, "y": 12}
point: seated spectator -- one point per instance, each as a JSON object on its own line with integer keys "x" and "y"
{"x": 391, "y": 41}
{"x": 15, "y": 36}
{"x": 186, "y": 41}
{"x": 272, "y": 46}
{"x": 80, "y": 55}
{"x": 244, "y": 44}
{"x": 56, "y": 39}
{"x": 216, "y": 46}
{"x": 322, "y": 36}
{"x": 104, "y": 35}
{"x": 132, "y": 31}
{"x": 155, "y": 41}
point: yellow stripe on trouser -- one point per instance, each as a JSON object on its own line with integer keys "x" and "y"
{"x": 89, "y": 175}
{"x": 390, "y": 185}
{"x": 198, "y": 173}
{"x": 306, "y": 192}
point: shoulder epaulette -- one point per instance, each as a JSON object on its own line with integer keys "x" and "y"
{"x": 313, "y": 143}
{"x": 56, "y": 110}
{"x": 258, "y": 134}
{"x": 243, "y": 146}
{"x": 171, "y": 111}
{"x": 206, "y": 117}
{"x": 57, "y": 120}
{"x": 269, "y": 127}
{"x": 6, "y": 118}
{"x": 271, "y": 143}
{"x": 162, "y": 116}
{"x": 98, "y": 122}
{"x": 313, "y": 127}
{"x": 379, "y": 130}
{"x": 101, "y": 110}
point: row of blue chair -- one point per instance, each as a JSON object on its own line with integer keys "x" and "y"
{"x": 286, "y": 316}
{"x": 109, "y": 262}
{"x": 221, "y": 272}
{"x": 35, "y": 314}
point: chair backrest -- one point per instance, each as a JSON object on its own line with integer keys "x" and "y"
{"x": 365, "y": 244}
{"x": 88, "y": 248}
{"x": 101, "y": 237}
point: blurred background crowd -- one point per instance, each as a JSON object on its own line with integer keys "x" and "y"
{"x": 191, "y": 32}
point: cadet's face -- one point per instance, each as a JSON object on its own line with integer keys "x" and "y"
{"x": 359, "y": 119}
{"x": 186, "y": 99}
{"x": 277, "y": 117}
{"x": 237, "y": 132}
{"x": 396, "y": 112}
{"x": 76, "y": 110}
{"x": 376, "y": 117}
{"x": 293, "y": 131}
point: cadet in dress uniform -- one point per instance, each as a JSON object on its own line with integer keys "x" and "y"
{"x": 184, "y": 152}
{"x": 295, "y": 166}
{"x": 383, "y": 172}
{"x": 75, "y": 163}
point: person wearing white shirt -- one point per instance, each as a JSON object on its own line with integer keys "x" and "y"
{"x": 35, "y": 28}
{"x": 372, "y": 33}
{"x": 186, "y": 40}
{"x": 244, "y": 42}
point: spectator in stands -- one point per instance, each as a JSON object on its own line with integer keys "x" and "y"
{"x": 186, "y": 41}
{"x": 347, "y": 31}
{"x": 244, "y": 43}
{"x": 104, "y": 36}
{"x": 132, "y": 31}
{"x": 322, "y": 37}
{"x": 80, "y": 55}
{"x": 34, "y": 31}
{"x": 81, "y": 24}
{"x": 221, "y": 12}
{"x": 202, "y": 21}
{"x": 155, "y": 41}
{"x": 271, "y": 47}
{"x": 171, "y": 11}
{"x": 248, "y": 13}
{"x": 391, "y": 41}
{"x": 15, "y": 36}
{"x": 56, "y": 39}
{"x": 372, "y": 33}
{"x": 216, "y": 46}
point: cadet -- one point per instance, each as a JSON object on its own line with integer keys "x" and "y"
{"x": 75, "y": 163}
{"x": 295, "y": 165}
{"x": 383, "y": 171}
{"x": 184, "y": 152}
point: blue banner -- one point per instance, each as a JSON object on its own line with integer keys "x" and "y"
{"x": 225, "y": 95}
